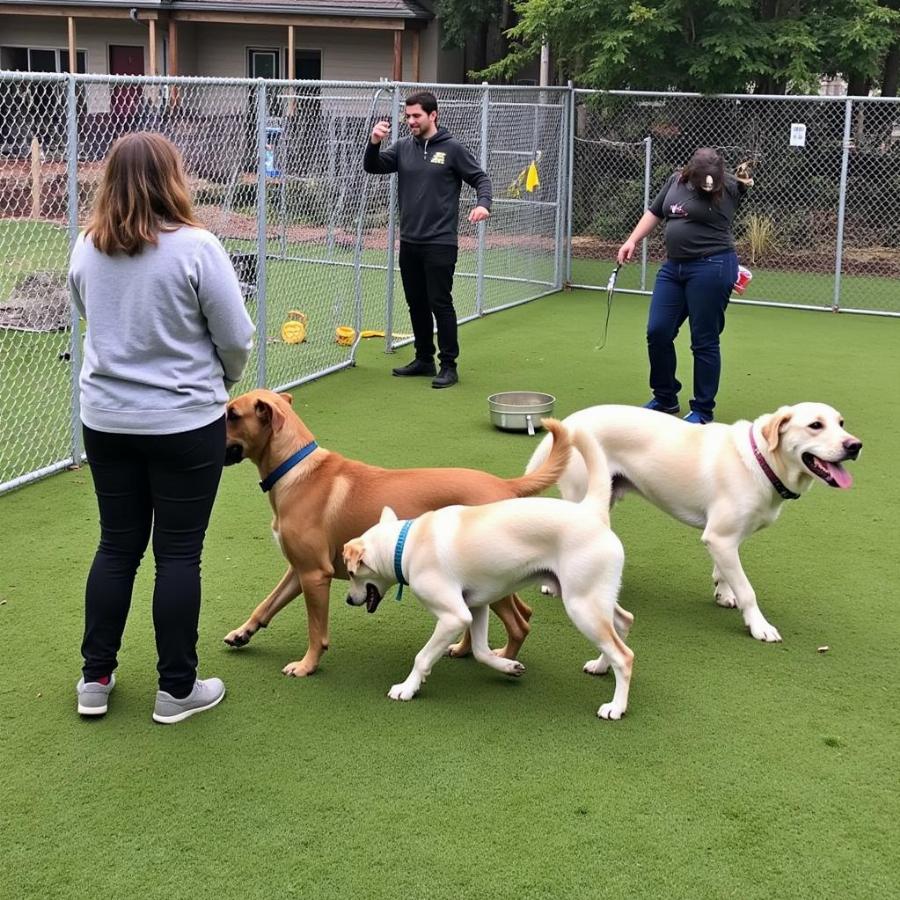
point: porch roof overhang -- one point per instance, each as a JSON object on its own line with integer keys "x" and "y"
{"x": 386, "y": 14}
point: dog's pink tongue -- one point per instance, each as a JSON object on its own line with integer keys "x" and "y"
{"x": 841, "y": 476}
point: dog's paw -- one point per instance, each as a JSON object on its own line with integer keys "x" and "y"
{"x": 763, "y": 631}
{"x": 610, "y": 711}
{"x": 300, "y": 669}
{"x": 725, "y": 596}
{"x": 512, "y": 667}
{"x": 402, "y": 692}
{"x": 240, "y": 637}
{"x": 598, "y": 666}
{"x": 463, "y": 648}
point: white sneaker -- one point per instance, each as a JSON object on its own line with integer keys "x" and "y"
{"x": 206, "y": 694}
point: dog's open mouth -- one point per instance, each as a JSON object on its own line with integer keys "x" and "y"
{"x": 832, "y": 473}
{"x": 373, "y": 598}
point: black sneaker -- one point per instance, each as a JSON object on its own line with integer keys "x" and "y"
{"x": 447, "y": 378}
{"x": 416, "y": 367}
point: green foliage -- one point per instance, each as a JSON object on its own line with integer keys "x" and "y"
{"x": 720, "y": 46}
{"x": 460, "y": 17}
{"x": 760, "y": 236}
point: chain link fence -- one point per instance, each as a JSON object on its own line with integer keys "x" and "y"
{"x": 819, "y": 228}
{"x": 275, "y": 169}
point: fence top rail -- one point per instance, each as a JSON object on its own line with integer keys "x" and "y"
{"x": 12, "y": 75}
{"x": 819, "y": 98}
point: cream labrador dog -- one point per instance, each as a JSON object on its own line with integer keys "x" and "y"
{"x": 460, "y": 558}
{"x": 729, "y": 480}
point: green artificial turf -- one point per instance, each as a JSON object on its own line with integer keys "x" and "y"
{"x": 741, "y": 770}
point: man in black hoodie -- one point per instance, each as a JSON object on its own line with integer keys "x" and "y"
{"x": 431, "y": 166}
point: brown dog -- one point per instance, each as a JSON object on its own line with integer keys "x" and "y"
{"x": 324, "y": 500}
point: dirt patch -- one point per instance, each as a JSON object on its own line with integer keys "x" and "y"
{"x": 38, "y": 302}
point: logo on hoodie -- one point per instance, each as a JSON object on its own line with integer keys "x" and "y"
{"x": 438, "y": 158}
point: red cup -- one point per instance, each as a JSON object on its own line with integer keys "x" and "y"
{"x": 744, "y": 278}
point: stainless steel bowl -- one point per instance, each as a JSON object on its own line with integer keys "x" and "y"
{"x": 520, "y": 410}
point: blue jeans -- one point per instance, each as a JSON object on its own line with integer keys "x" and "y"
{"x": 697, "y": 290}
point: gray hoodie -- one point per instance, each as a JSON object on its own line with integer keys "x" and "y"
{"x": 167, "y": 333}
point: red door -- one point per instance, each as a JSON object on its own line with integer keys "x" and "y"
{"x": 125, "y": 61}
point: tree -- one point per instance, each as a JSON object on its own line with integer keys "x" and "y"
{"x": 711, "y": 46}
{"x": 477, "y": 26}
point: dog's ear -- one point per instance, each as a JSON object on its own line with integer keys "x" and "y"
{"x": 387, "y": 515}
{"x": 288, "y": 398}
{"x": 353, "y": 554}
{"x": 774, "y": 428}
{"x": 269, "y": 414}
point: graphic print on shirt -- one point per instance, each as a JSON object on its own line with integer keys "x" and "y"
{"x": 677, "y": 211}
{"x": 438, "y": 158}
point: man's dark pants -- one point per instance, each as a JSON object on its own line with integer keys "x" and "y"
{"x": 427, "y": 273}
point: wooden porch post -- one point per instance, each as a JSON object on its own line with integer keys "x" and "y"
{"x": 416, "y": 67}
{"x": 291, "y": 62}
{"x": 152, "y": 37}
{"x": 173, "y": 59}
{"x": 398, "y": 56}
{"x": 291, "y": 68}
{"x": 73, "y": 48}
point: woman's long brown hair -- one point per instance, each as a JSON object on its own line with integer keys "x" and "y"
{"x": 143, "y": 191}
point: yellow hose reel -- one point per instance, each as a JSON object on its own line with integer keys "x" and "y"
{"x": 293, "y": 331}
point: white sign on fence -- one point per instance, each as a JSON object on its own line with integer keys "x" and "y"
{"x": 798, "y": 134}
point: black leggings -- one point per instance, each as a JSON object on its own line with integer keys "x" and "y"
{"x": 167, "y": 483}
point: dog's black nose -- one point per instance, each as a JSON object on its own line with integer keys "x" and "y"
{"x": 349, "y": 600}
{"x": 852, "y": 448}
{"x": 233, "y": 454}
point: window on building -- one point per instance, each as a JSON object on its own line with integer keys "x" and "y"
{"x": 263, "y": 63}
{"x": 40, "y": 59}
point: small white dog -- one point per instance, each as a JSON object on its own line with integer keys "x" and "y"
{"x": 460, "y": 558}
{"x": 729, "y": 480}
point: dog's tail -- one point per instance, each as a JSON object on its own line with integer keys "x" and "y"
{"x": 599, "y": 482}
{"x": 551, "y": 467}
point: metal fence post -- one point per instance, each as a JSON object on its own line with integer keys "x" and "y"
{"x": 261, "y": 243}
{"x": 75, "y": 338}
{"x": 842, "y": 205}
{"x": 482, "y": 227}
{"x": 648, "y": 163}
{"x": 570, "y": 179}
{"x": 559, "y": 225}
{"x": 392, "y": 229}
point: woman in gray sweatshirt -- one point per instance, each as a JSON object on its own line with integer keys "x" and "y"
{"x": 167, "y": 335}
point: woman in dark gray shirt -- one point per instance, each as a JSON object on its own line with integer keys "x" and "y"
{"x": 698, "y": 205}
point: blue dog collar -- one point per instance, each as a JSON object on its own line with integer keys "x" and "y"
{"x": 269, "y": 481}
{"x": 398, "y": 558}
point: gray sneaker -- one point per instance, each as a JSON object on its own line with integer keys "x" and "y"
{"x": 206, "y": 694}
{"x": 93, "y": 696}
